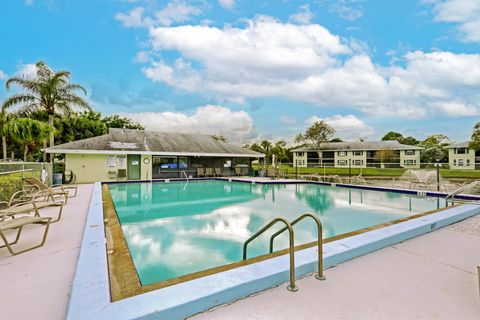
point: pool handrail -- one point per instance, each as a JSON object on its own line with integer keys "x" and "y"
{"x": 319, "y": 275}
{"x": 291, "y": 287}
{"x": 460, "y": 190}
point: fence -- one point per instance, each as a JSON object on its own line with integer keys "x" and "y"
{"x": 12, "y": 174}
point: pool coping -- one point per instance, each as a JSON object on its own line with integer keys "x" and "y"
{"x": 90, "y": 296}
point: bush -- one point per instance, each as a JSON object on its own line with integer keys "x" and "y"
{"x": 9, "y": 184}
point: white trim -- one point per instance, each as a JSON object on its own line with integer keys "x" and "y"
{"x": 156, "y": 153}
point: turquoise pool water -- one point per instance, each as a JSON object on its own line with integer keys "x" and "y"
{"x": 177, "y": 228}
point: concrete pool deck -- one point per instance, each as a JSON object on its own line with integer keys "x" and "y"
{"x": 36, "y": 284}
{"x": 417, "y": 277}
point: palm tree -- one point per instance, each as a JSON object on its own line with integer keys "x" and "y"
{"x": 4, "y": 118}
{"x": 48, "y": 90}
{"x": 28, "y": 132}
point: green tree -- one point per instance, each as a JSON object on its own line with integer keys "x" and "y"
{"x": 29, "y": 133}
{"x": 79, "y": 126}
{"x": 434, "y": 148}
{"x": 48, "y": 90}
{"x": 318, "y": 133}
{"x": 475, "y": 143}
{"x": 336, "y": 140}
{"x": 392, "y": 135}
{"x": 116, "y": 121}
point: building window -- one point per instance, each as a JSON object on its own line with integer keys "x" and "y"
{"x": 461, "y": 150}
{"x": 468, "y": 162}
{"x": 299, "y": 154}
{"x": 358, "y": 153}
{"x": 461, "y": 162}
{"x": 454, "y": 162}
{"x": 409, "y": 152}
{"x": 358, "y": 162}
{"x": 342, "y": 162}
{"x": 409, "y": 162}
{"x": 342, "y": 153}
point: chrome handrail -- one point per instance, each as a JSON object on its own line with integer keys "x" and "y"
{"x": 185, "y": 174}
{"x": 459, "y": 190}
{"x": 319, "y": 275}
{"x": 288, "y": 226}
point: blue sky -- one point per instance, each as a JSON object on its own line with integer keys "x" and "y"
{"x": 261, "y": 69}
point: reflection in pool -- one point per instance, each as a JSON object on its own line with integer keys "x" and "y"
{"x": 177, "y": 228}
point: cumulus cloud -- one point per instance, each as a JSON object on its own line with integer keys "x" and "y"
{"x": 133, "y": 19}
{"x": 457, "y": 109}
{"x": 28, "y": 70}
{"x": 209, "y": 119}
{"x": 227, "y": 4}
{"x": 347, "y": 127}
{"x": 308, "y": 63}
{"x": 464, "y": 13}
{"x": 303, "y": 16}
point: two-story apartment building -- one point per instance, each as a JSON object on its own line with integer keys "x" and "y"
{"x": 359, "y": 155}
{"x": 460, "y": 156}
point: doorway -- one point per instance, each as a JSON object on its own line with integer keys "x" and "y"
{"x": 133, "y": 166}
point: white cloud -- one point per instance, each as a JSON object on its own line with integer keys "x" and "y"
{"x": 227, "y": 4}
{"x": 347, "y": 127}
{"x": 465, "y": 13}
{"x": 28, "y": 70}
{"x": 209, "y": 119}
{"x": 3, "y": 75}
{"x": 176, "y": 11}
{"x": 303, "y": 16}
{"x": 346, "y": 9}
{"x": 457, "y": 109}
{"x": 29, "y": 2}
{"x": 133, "y": 19}
{"x": 307, "y": 63}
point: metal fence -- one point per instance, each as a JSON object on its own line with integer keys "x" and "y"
{"x": 12, "y": 174}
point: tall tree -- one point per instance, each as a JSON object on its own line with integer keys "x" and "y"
{"x": 434, "y": 148}
{"x": 475, "y": 143}
{"x": 4, "y": 118}
{"x": 28, "y": 132}
{"x": 48, "y": 90}
{"x": 392, "y": 135}
{"x": 318, "y": 133}
{"x": 116, "y": 121}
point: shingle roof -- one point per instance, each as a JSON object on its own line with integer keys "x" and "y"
{"x": 152, "y": 142}
{"x": 463, "y": 144}
{"x": 359, "y": 145}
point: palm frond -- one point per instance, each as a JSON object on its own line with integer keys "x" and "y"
{"x": 17, "y": 99}
{"x": 30, "y": 85}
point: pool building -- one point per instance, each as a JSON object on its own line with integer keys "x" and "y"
{"x": 126, "y": 154}
{"x": 359, "y": 154}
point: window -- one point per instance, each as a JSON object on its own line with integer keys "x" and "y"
{"x": 358, "y": 162}
{"x": 299, "y": 154}
{"x": 468, "y": 162}
{"x": 358, "y": 153}
{"x": 342, "y": 162}
{"x": 461, "y": 150}
{"x": 409, "y": 152}
{"x": 409, "y": 162}
{"x": 342, "y": 153}
{"x": 461, "y": 162}
{"x": 454, "y": 162}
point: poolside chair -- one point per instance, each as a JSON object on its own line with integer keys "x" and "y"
{"x": 42, "y": 186}
{"x": 218, "y": 172}
{"x": 358, "y": 180}
{"x": 8, "y": 223}
{"x": 28, "y": 195}
{"x": 238, "y": 171}
{"x": 209, "y": 172}
{"x": 32, "y": 206}
{"x": 427, "y": 183}
{"x": 201, "y": 172}
{"x": 271, "y": 173}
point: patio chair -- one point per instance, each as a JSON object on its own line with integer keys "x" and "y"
{"x": 427, "y": 183}
{"x": 209, "y": 172}
{"x": 42, "y": 186}
{"x": 32, "y": 206}
{"x": 218, "y": 172}
{"x": 8, "y": 223}
{"x": 271, "y": 173}
{"x": 28, "y": 195}
{"x": 238, "y": 171}
{"x": 201, "y": 172}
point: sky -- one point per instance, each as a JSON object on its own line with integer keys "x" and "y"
{"x": 254, "y": 70}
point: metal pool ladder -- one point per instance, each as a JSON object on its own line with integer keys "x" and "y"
{"x": 289, "y": 226}
{"x": 452, "y": 195}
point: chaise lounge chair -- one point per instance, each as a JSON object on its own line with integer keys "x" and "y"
{"x": 28, "y": 207}
{"x": 209, "y": 172}
{"x": 8, "y": 223}
{"x": 200, "y": 172}
{"x": 42, "y": 186}
{"x": 218, "y": 172}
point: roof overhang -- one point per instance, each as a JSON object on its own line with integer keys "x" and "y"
{"x": 156, "y": 153}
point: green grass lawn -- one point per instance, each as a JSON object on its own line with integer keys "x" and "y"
{"x": 376, "y": 172}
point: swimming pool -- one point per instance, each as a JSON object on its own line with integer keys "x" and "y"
{"x": 178, "y": 228}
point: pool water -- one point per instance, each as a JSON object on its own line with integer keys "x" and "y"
{"x": 173, "y": 229}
